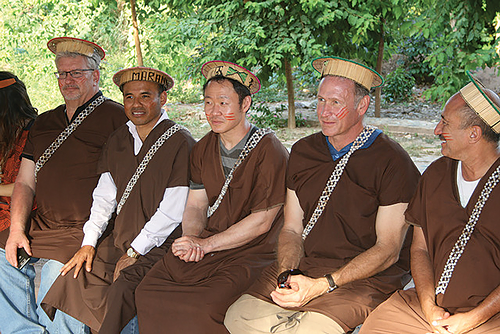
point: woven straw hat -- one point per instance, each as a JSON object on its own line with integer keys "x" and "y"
{"x": 349, "y": 69}
{"x": 474, "y": 95}
{"x": 231, "y": 71}
{"x": 71, "y": 44}
{"x": 143, "y": 74}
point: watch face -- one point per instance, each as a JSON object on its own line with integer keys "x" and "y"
{"x": 132, "y": 253}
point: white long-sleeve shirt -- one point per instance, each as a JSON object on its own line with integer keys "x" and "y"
{"x": 166, "y": 218}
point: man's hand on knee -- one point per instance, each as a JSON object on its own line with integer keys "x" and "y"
{"x": 84, "y": 255}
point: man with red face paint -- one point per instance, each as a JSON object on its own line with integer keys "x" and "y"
{"x": 455, "y": 261}
{"x": 339, "y": 249}
{"x": 232, "y": 215}
{"x": 142, "y": 190}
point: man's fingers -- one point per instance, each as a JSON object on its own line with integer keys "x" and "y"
{"x": 89, "y": 260}
{"x": 282, "y": 300}
{"x": 27, "y": 247}
{"x": 9, "y": 256}
{"x": 194, "y": 254}
{"x": 88, "y": 265}
{"x": 67, "y": 267}
{"x": 77, "y": 269}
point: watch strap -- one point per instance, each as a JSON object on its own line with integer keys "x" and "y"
{"x": 331, "y": 283}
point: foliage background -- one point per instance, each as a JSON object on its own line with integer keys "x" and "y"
{"x": 438, "y": 42}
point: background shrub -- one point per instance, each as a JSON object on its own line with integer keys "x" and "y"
{"x": 399, "y": 85}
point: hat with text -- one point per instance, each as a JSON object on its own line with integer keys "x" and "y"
{"x": 475, "y": 96}
{"x": 349, "y": 69}
{"x": 76, "y": 45}
{"x": 143, "y": 74}
{"x": 232, "y": 71}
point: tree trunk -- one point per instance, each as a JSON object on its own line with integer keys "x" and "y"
{"x": 378, "y": 90}
{"x": 291, "y": 95}
{"x": 136, "y": 34}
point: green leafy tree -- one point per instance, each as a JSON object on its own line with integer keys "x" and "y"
{"x": 27, "y": 26}
{"x": 464, "y": 37}
{"x": 279, "y": 35}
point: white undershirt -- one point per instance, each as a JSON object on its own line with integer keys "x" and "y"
{"x": 465, "y": 188}
{"x": 166, "y": 218}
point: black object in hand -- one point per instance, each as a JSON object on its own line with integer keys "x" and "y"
{"x": 22, "y": 258}
{"x": 284, "y": 276}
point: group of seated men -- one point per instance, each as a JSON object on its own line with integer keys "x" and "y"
{"x": 139, "y": 228}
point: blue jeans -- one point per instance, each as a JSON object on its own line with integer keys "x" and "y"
{"x": 132, "y": 327}
{"x": 20, "y": 312}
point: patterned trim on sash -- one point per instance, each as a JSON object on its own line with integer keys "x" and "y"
{"x": 66, "y": 133}
{"x": 144, "y": 163}
{"x": 464, "y": 237}
{"x": 334, "y": 178}
{"x": 250, "y": 145}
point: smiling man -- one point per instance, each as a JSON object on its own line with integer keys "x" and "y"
{"x": 454, "y": 255}
{"x": 144, "y": 182}
{"x": 232, "y": 215}
{"x": 339, "y": 249}
{"x": 59, "y": 166}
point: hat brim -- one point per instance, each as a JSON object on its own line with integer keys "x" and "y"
{"x": 53, "y": 43}
{"x": 208, "y": 70}
{"x": 484, "y": 107}
{"x": 167, "y": 83}
{"x": 376, "y": 79}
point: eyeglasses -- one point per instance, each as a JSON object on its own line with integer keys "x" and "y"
{"x": 75, "y": 74}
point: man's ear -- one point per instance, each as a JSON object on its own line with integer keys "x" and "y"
{"x": 163, "y": 98}
{"x": 475, "y": 134}
{"x": 363, "y": 105}
{"x": 96, "y": 75}
{"x": 246, "y": 103}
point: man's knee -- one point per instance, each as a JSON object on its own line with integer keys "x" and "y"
{"x": 241, "y": 311}
{"x": 232, "y": 314}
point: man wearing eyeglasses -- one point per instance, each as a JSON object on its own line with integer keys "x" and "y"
{"x": 59, "y": 166}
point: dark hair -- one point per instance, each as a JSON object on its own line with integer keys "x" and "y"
{"x": 15, "y": 112}
{"x": 471, "y": 118}
{"x": 239, "y": 88}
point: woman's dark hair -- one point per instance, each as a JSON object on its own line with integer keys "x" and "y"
{"x": 15, "y": 113}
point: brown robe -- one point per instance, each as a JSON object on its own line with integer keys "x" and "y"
{"x": 382, "y": 174}
{"x": 436, "y": 208}
{"x": 193, "y": 297}
{"x": 65, "y": 183}
{"x": 168, "y": 168}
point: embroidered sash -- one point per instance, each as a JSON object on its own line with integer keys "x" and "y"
{"x": 464, "y": 237}
{"x": 249, "y": 146}
{"x": 47, "y": 154}
{"x": 334, "y": 179}
{"x": 144, "y": 163}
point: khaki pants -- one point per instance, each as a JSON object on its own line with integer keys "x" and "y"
{"x": 252, "y": 315}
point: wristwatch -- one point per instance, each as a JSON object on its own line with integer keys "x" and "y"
{"x": 331, "y": 283}
{"x": 132, "y": 253}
